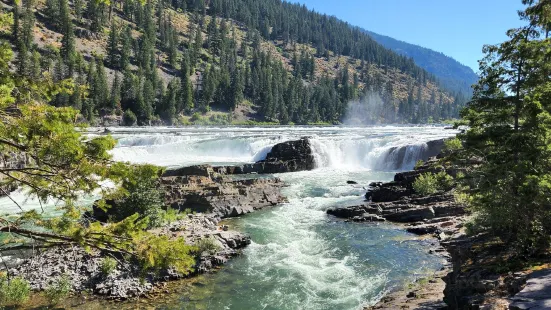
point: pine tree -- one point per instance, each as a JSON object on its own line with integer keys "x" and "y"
{"x": 15, "y": 25}
{"x": 509, "y": 126}
{"x": 79, "y": 6}
{"x": 68, "y": 40}
{"x": 115, "y": 97}
{"x": 113, "y": 47}
{"x": 170, "y": 101}
{"x": 186, "y": 96}
{"x": 236, "y": 89}
{"x": 197, "y": 46}
{"x": 126, "y": 49}
{"x": 52, "y": 13}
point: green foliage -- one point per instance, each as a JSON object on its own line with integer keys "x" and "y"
{"x": 63, "y": 164}
{"x": 419, "y": 164}
{"x": 129, "y": 118}
{"x": 13, "y": 292}
{"x": 426, "y": 184}
{"x": 452, "y": 145}
{"x": 159, "y": 252}
{"x": 509, "y": 123}
{"x": 207, "y": 245}
{"x": 58, "y": 291}
{"x": 139, "y": 194}
{"x": 108, "y": 266}
{"x": 430, "y": 183}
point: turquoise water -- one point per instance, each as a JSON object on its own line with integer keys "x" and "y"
{"x": 301, "y": 258}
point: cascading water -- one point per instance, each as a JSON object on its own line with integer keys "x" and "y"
{"x": 373, "y": 148}
{"x": 299, "y": 258}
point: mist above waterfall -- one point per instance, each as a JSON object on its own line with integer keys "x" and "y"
{"x": 371, "y": 109}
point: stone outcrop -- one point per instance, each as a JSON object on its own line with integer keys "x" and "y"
{"x": 290, "y": 156}
{"x": 209, "y": 195}
{"x": 201, "y": 189}
{"x": 397, "y": 201}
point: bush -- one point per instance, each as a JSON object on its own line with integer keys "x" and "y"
{"x": 156, "y": 253}
{"x": 209, "y": 245}
{"x": 129, "y": 118}
{"x": 108, "y": 266}
{"x": 444, "y": 181}
{"x": 452, "y": 145}
{"x": 140, "y": 194}
{"x": 14, "y": 292}
{"x": 58, "y": 291}
{"x": 419, "y": 163}
{"x": 426, "y": 184}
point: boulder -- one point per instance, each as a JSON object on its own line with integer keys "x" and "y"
{"x": 290, "y": 156}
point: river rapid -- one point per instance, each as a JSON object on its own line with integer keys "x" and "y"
{"x": 300, "y": 258}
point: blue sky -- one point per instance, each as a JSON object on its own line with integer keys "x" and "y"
{"x": 457, "y": 28}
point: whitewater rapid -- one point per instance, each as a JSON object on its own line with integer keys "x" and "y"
{"x": 334, "y": 147}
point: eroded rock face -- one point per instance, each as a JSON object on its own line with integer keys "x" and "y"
{"x": 290, "y": 156}
{"x": 200, "y": 189}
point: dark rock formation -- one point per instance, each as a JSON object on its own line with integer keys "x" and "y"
{"x": 396, "y": 201}
{"x": 290, "y": 156}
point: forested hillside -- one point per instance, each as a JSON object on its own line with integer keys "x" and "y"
{"x": 450, "y": 73}
{"x": 181, "y": 61}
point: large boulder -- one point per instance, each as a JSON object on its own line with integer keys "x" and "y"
{"x": 290, "y": 156}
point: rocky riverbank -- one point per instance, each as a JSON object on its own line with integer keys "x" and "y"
{"x": 480, "y": 272}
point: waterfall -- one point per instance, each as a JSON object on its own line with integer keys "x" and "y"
{"x": 350, "y": 148}
{"x": 374, "y": 154}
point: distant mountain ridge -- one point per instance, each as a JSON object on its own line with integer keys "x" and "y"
{"x": 452, "y": 74}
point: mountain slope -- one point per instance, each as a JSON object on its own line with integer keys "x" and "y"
{"x": 452, "y": 74}
{"x": 181, "y": 61}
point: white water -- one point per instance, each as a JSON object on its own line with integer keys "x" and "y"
{"x": 300, "y": 258}
{"x": 334, "y": 147}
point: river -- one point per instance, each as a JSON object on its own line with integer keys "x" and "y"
{"x": 300, "y": 258}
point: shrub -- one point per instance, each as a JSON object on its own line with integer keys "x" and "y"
{"x": 108, "y": 265}
{"x": 208, "y": 245}
{"x": 156, "y": 253}
{"x": 58, "y": 291}
{"x": 452, "y": 145}
{"x": 14, "y": 292}
{"x": 419, "y": 163}
{"x": 444, "y": 181}
{"x": 426, "y": 184}
{"x": 129, "y": 118}
{"x": 430, "y": 183}
{"x": 140, "y": 194}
